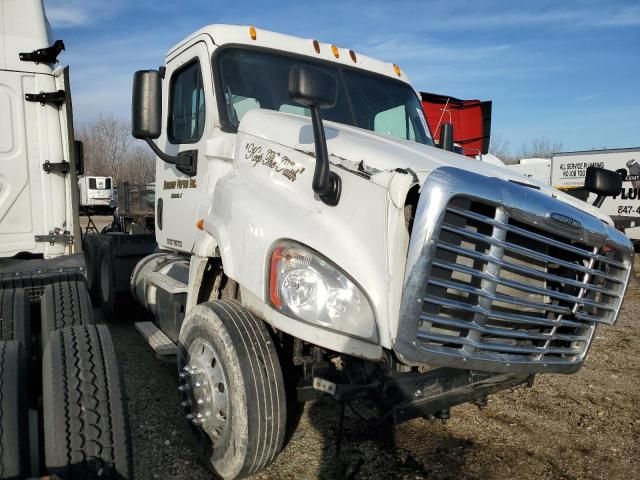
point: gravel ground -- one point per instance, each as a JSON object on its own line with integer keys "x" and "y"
{"x": 583, "y": 426}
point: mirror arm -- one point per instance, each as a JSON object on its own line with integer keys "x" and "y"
{"x": 185, "y": 161}
{"x": 599, "y": 201}
{"x": 327, "y": 184}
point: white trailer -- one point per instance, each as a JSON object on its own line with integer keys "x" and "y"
{"x": 311, "y": 235}
{"x": 536, "y": 168}
{"x": 97, "y": 195}
{"x": 59, "y": 382}
{"x": 568, "y": 172}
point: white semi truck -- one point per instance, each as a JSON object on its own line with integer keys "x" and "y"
{"x": 62, "y": 406}
{"x": 309, "y": 233}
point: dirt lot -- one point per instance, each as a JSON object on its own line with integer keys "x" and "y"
{"x": 570, "y": 427}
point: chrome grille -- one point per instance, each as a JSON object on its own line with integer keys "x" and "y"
{"x": 499, "y": 288}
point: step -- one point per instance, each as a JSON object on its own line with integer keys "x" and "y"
{"x": 168, "y": 284}
{"x": 157, "y": 340}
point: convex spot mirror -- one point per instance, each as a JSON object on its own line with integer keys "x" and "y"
{"x": 146, "y": 104}
{"x": 311, "y": 86}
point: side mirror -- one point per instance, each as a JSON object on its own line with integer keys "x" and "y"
{"x": 312, "y": 87}
{"x": 602, "y": 182}
{"x": 446, "y": 137}
{"x": 316, "y": 89}
{"x": 79, "y": 155}
{"x": 146, "y": 104}
{"x": 146, "y": 119}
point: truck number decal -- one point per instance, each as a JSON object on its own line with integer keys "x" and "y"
{"x": 174, "y": 243}
{"x": 273, "y": 160}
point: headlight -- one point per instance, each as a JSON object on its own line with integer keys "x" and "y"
{"x": 306, "y": 286}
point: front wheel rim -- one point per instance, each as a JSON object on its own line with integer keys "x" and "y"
{"x": 205, "y": 391}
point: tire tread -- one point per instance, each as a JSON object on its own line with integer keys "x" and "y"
{"x": 265, "y": 378}
{"x": 14, "y": 450}
{"x": 65, "y": 304}
{"x": 91, "y": 438}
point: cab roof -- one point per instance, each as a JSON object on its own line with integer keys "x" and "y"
{"x": 221, "y": 34}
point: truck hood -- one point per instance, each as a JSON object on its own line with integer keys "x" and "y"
{"x": 376, "y": 155}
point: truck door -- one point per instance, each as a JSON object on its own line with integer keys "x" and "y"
{"x": 186, "y": 86}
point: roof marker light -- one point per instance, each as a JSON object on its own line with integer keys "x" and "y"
{"x": 352, "y": 54}
{"x": 336, "y": 52}
{"x": 396, "y": 68}
{"x": 252, "y": 32}
{"x": 316, "y": 45}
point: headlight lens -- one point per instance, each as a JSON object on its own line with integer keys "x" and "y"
{"x": 304, "y": 285}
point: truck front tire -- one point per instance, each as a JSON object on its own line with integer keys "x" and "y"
{"x": 232, "y": 388}
{"x": 85, "y": 417}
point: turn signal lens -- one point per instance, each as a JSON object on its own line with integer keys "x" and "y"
{"x": 200, "y": 224}
{"x": 396, "y": 68}
{"x": 336, "y": 52}
{"x": 252, "y": 32}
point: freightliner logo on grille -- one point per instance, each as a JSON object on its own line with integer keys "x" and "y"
{"x": 565, "y": 220}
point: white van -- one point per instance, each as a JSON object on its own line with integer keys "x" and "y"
{"x": 96, "y": 195}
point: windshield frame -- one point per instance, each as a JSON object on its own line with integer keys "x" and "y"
{"x": 227, "y": 125}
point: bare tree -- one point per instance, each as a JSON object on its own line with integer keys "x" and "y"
{"x": 109, "y": 151}
{"x": 500, "y": 147}
{"x": 540, "y": 147}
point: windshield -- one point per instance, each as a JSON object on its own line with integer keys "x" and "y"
{"x": 258, "y": 79}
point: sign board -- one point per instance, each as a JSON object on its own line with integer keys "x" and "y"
{"x": 568, "y": 171}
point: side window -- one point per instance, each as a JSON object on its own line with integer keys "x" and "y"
{"x": 107, "y": 184}
{"x": 186, "y": 105}
{"x": 92, "y": 183}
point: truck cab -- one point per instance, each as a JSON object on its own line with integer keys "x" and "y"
{"x": 38, "y": 200}
{"x": 300, "y": 200}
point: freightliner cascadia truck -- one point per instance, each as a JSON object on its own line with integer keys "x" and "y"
{"x": 310, "y": 233}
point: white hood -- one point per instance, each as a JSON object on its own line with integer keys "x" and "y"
{"x": 363, "y": 150}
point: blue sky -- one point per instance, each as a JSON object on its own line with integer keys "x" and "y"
{"x": 568, "y": 71}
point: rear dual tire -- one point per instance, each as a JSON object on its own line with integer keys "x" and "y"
{"x": 64, "y": 304}
{"x": 85, "y": 416}
{"x": 14, "y": 441}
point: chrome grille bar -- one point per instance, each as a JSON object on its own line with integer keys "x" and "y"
{"x": 518, "y": 268}
{"x": 541, "y": 238}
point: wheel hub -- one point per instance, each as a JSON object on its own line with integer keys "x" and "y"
{"x": 203, "y": 387}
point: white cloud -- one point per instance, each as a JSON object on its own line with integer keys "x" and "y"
{"x": 67, "y": 16}
{"x": 81, "y": 13}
